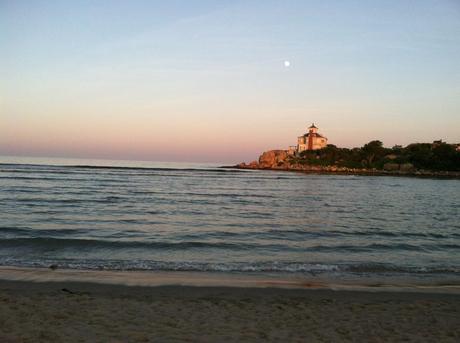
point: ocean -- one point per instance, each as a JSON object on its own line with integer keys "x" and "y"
{"x": 124, "y": 215}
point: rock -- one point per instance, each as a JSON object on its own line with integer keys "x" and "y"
{"x": 54, "y": 266}
{"x": 273, "y": 159}
{"x": 391, "y": 166}
{"x": 407, "y": 167}
{"x": 253, "y": 164}
{"x": 391, "y": 157}
{"x": 68, "y": 291}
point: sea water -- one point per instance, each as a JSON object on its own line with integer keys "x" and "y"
{"x": 121, "y": 215}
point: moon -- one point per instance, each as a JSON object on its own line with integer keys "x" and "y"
{"x": 287, "y": 64}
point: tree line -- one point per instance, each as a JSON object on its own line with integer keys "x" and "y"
{"x": 436, "y": 156}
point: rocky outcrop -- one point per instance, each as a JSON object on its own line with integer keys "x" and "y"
{"x": 280, "y": 160}
{"x": 273, "y": 159}
{"x": 252, "y": 165}
{"x": 404, "y": 167}
{"x": 391, "y": 166}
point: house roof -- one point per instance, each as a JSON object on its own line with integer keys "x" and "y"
{"x": 314, "y": 135}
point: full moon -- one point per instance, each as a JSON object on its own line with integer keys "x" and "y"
{"x": 287, "y": 64}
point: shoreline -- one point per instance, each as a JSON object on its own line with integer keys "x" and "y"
{"x": 220, "y": 279}
{"x": 57, "y": 311}
{"x": 443, "y": 175}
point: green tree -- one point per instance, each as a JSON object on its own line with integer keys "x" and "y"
{"x": 420, "y": 155}
{"x": 372, "y": 152}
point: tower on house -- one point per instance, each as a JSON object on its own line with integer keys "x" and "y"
{"x": 311, "y": 140}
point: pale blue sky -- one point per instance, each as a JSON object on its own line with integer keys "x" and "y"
{"x": 206, "y": 81}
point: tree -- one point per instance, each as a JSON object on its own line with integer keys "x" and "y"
{"x": 445, "y": 157}
{"x": 372, "y": 151}
{"x": 420, "y": 155}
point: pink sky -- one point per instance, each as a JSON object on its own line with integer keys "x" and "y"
{"x": 209, "y": 82}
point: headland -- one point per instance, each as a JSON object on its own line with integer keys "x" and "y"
{"x": 312, "y": 154}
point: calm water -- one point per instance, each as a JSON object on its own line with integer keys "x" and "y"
{"x": 202, "y": 218}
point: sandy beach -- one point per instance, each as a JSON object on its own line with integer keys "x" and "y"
{"x": 70, "y": 311}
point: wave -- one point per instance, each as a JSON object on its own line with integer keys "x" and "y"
{"x": 241, "y": 267}
{"x": 212, "y": 170}
{"x": 274, "y": 235}
{"x": 77, "y": 243}
{"x": 53, "y": 243}
{"x": 295, "y": 233}
{"x": 24, "y": 230}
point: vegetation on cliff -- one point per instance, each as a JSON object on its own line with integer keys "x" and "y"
{"x": 437, "y": 156}
{"x": 424, "y": 159}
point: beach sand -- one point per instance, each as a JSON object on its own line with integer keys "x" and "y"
{"x": 69, "y": 311}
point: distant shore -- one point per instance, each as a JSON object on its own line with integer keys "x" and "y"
{"x": 332, "y": 170}
{"x": 429, "y": 160}
{"x": 69, "y": 310}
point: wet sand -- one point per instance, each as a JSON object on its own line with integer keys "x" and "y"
{"x": 70, "y": 311}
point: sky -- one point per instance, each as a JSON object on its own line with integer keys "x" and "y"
{"x": 207, "y": 81}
